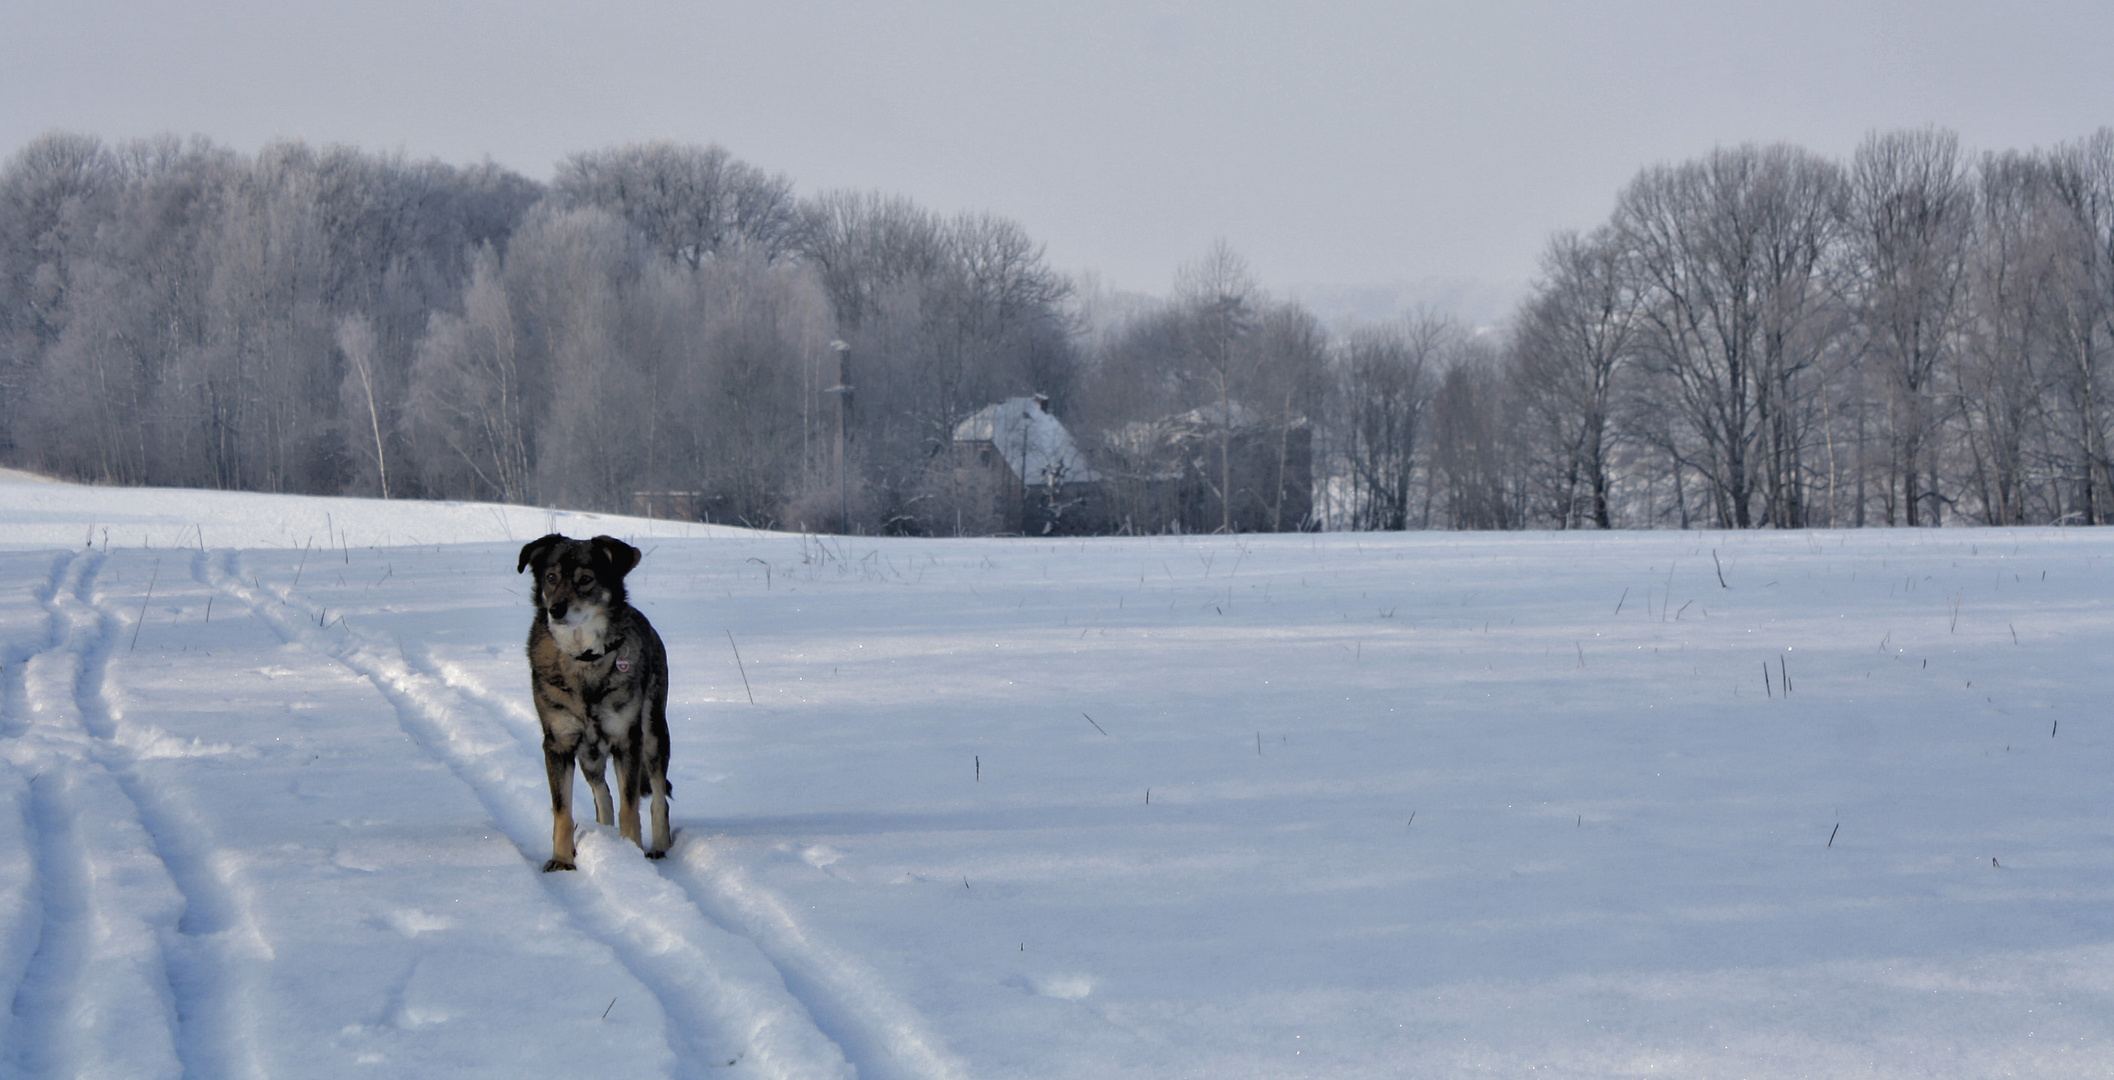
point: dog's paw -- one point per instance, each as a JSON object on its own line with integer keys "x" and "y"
{"x": 656, "y": 854}
{"x": 557, "y": 864}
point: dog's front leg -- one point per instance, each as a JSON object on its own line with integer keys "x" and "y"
{"x": 559, "y": 764}
{"x": 592, "y": 754}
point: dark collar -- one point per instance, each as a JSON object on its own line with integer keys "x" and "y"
{"x": 591, "y": 656}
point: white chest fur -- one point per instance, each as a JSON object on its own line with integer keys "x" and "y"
{"x": 581, "y": 631}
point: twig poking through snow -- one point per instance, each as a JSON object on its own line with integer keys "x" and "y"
{"x": 738, "y": 667}
{"x": 142, "y": 620}
{"x": 1097, "y": 727}
{"x": 1832, "y": 832}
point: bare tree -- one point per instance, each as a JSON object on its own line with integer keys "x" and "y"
{"x": 2013, "y": 272}
{"x": 1217, "y": 297}
{"x": 865, "y": 244}
{"x": 1910, "y": 225}
{"x": 1384, "y": 383}
{"x": 1287, "y": 376}
{"x": 1571, "y": 344}
{"x": 1474, "y": 446}
{"x": 363, "y": 398}
{"x": 2079, "y": 316}
{"x": 1730, "y": 251}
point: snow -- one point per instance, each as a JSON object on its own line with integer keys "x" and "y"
{"x": 1429, "y": 804}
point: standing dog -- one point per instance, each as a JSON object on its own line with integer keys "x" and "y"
{"x": 599, "y": 675}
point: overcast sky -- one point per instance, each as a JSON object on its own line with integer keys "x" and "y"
{"x": 1371, "y": 144}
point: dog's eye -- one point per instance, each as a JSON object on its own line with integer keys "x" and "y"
{"x": 550, "y": 577}
{"x": 584, "y": 581}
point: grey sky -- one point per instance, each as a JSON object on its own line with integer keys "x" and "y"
{"x": 1329, "y": 143}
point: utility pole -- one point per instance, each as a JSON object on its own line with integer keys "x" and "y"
{"x": 843, "y": 391}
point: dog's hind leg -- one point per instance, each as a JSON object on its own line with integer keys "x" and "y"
{"x": 628, "y": 770}
{"x": 656, "y": 766}
{"x": 658, "y": 778}
{"x": 591, "y": 756}
{"x": 559, "y": 764}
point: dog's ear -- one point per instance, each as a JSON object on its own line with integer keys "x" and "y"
{"x": 532, "y": 552}
{"x": 620, "y": 555}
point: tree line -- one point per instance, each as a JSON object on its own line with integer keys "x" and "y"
{"x": 656, "y": 320}
{"x": 1767, "y": 337}
{"x": 1758, "y": 337}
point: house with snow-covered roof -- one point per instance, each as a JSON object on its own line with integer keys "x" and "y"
{"x": 1015, "y": 469}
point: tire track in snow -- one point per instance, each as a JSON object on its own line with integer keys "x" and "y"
{"x": 883, "y": 1036}
{"x": 21, "y": 888}
{"x": 208, "y": 939}
{"x": 889, "y": 1039}
{"x": 216, "y": 956}
{"x": 94, "y": 996}
{"x": 725, "y": 1003}
{"x": 21, "y": 917}
{"x": 128, "y": 976}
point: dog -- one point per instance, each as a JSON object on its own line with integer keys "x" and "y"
{"x": 599, "y": 676}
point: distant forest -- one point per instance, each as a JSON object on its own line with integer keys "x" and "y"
{"x": 1762, "y": 336}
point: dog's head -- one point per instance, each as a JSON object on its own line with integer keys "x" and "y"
{"x": 576, "y": 578}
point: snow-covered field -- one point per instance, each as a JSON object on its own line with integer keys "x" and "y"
{"x": 1419, "y": 805}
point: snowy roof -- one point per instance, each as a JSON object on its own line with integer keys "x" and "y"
{"x": 1214, "y": 414}
{"x": 1244, "y": 418}
{"x": 1036, "y": 447}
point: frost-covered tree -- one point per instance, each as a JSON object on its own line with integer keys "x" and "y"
{"x": 943, "y": 316}
{"x": 690, "y": 202}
